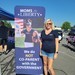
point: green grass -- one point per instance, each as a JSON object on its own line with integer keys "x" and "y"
{"x": 38, "y": 29}
{"x": 19, "y": 42}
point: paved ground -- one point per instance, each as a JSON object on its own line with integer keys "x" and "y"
{"x": 0, "y": 69}
{"x": 7, "y": 63}
{"x": 63, "y": 65}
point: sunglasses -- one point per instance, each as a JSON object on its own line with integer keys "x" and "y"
{"x": 49, "y": 23}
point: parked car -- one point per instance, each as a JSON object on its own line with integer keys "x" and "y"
{"x": 60, "y": 35}
{"x": 71, "y": 37}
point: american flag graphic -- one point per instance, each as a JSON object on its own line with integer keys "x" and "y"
{"x": 19, "y": 24}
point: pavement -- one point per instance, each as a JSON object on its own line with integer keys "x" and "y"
{"x": 63, "y": 65}
{"x": 7, "y": 63}
{"x": 0, "y": 69}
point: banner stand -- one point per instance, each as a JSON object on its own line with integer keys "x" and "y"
{"x": 29, "y": 22}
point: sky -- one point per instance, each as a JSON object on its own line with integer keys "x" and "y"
{"x": 57, "y": 10}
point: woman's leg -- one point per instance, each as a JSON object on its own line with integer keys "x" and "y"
{"x": 5, "y": 47}
{"x": 50, "y": 66}
{"x": 45, "y": 61}
{"x": 1, "y": 46}
{"x": 5, "y": 44}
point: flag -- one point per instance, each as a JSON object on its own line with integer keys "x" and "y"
{"x": 19, "y": 23}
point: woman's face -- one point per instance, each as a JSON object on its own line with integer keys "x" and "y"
{"x": 48, "y": 25}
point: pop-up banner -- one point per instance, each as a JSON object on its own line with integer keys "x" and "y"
{"x": 29, "y": 21}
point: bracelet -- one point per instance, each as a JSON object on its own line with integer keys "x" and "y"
{"x": 56, "y": 52}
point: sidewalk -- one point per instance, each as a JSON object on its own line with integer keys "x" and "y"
{"x": 7, "y": 63}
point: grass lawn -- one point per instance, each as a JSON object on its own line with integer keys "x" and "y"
{"x": 19, "y": 42}
{"x": 38, "y": 29}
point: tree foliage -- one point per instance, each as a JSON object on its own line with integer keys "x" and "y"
{"x": 7, "y": 24}
{"x": 66, "y": 25}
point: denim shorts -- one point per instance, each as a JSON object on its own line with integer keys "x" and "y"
{"x": 49, "y": 55}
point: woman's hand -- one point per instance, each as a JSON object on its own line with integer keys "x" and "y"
{"x": 55, "y": 55}
{"x": 40, "y": 54}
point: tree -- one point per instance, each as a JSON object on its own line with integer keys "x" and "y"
{"x": 66, "y": 25}
{"x": 7, "y": 24}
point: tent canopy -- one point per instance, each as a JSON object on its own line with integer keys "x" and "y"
{"x": 4, "y": 15}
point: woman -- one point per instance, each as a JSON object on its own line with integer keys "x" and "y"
{"x": 28, "y": 32}
{"x": 4, "y": 36}
{"x": 49, "y": 47}
{"x": 35, "y": 39}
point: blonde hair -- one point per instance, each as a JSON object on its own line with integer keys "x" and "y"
{"x": 49, "y": 20}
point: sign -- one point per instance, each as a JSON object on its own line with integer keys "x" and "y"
{"x": 29, "y": 21}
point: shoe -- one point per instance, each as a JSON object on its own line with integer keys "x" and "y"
{"x": 6, "y": 52}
